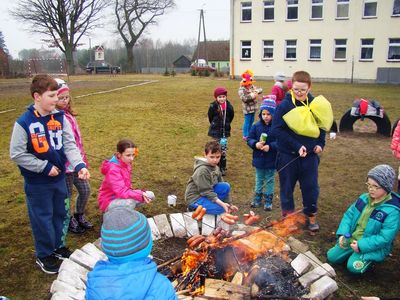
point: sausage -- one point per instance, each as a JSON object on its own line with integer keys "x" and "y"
{"x": 201, "y": 214}
{"x": 217, "y": 230}
{"x": 232, "y": 217}
{"x": 197, "y": 241}
{"x": 227, "y": 220}
{"x": 197, "y": 211}
{"x": 251, "y": 220}
{"x": 189, "y": 241}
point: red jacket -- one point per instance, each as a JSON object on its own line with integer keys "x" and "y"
{"x": 117, "y": 183}
{"x": 395, "y": 145}
{"x": 278, "y": 92}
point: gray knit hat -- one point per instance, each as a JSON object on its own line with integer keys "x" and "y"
{"x": 384, "y": 175}
{"x": 125, "y": 233}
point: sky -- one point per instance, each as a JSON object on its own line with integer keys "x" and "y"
{"x": 177, "y": 25}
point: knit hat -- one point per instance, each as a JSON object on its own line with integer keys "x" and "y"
{"x": 125, "y": 233}
{"x": 268, "y": 104}
{"x": 384, "y": 175}
{"x": 247, "y": 78}
{"x": 62, "y": 86}
{"x": 279, "y": 76}
{"x": 220, "y": 91}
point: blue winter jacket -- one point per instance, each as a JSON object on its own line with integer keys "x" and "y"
{"x": 287, "y": 140}
{"x": 133, "y": 280}
{"x": 262, "y": 159}
{"x": 381, "y": 229}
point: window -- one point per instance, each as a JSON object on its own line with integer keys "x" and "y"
{"x": 342, "y": 9}
{"x": 246, "y": 11}
{"x": 290, "y": 49}
{"x": 213, "y": 65}
{"x": 370, "y": 8}
{"x": 396, "y": 8}
{"x": 292, "y": 9}
{"x": 367, "y": 49}
{"x": 315, "y": 49}
{"x": 269, "y": 10}
{"x": 246, "y": 50}
{"x": 394, "y": 49}
{"x": 316, "y": 9}
{"x": 268, "y": 49}
{"x": 340, "y": 49}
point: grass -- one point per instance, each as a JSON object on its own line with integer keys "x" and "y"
{"x": 167, "y": 119}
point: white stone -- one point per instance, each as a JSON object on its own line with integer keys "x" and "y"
{"x": 71, "y": 278}
{"x": 93, "y": 251}
{"x": 178, "y": 225}
{"x": 322, "y": 288}
{"x": 192, "y": 227}
{"x": 61, "y": 296}
{"x": 97, "y": 243}
{"x": 163, "y": 225}
{"x": 64, "y": 288}
{"x": 224, "y": 225}
{"x": 296, "y": 245}
{"x": 325, "y": 269}
{"x": 83, "y": 259}
{"x": 70, "y": 265}
{"x": 301, "y": 264}
{"x": 313, "y": 259}
{"x": 208, "y": 224}
{"x": 155, "y": 233}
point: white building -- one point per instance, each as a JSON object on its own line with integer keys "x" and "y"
{"x": 335, "y": 40}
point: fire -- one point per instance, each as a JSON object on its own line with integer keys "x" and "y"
{"x": 191, "y": 259}
{"x": 289, "y": 225}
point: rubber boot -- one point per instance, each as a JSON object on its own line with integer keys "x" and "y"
{"x": 82, "y": 221}
{"x": 256, "y": 200}
{"x": 313, "y": 226}
{"x": 74, "y": 226}
{"x": 268, "y": 202}
{"x": 222, "y": 165}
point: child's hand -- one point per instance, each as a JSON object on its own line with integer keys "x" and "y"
{"x": 317, "y": 149}
{"x": 260, "y": 145}
{"x": 84, "y": 174}
{"x": 341, "y": 241}
{"x": 354, "y": 246}
{"x": 146, "y": 199}
{"x": 302, "y": 151}
{"x": 54, "y": 171}
{"x": 232, "y": 208}
{"x": 265, "y": 148}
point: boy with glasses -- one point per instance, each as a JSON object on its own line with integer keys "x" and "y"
{"x": 371, "y": 223}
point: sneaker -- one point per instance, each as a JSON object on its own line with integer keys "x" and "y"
{"x": 255, "y": 204}
{"x": 49, "y": 264}
{"x": 74, "y": 226}
{"x": 312, "y": 224}
{"x": 268, "y": 206}
{"x": 62, "y": 253}
{"x": 83, "y": 222}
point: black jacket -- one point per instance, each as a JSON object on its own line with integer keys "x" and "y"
{"x": 216, "y": 118}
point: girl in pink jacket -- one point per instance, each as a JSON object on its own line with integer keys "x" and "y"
{"x": 395, "y": 146}
{"x": 117, "y": 177}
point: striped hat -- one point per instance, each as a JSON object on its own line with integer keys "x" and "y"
{"x": 125, "y": 233}
{"x": 384, "y": 175}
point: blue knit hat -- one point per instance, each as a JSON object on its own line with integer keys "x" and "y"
{"x": 125, "y": 233}
{"x": 384, "y": 175}
{"x": 268, "y": 104}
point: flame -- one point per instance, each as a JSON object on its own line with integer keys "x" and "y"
{"x": 191, "y": 259}
{"x": 291, "y": 224}
{"x": 199, "y": 291}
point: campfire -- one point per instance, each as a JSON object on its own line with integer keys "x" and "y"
{"x": 253, "y": 263}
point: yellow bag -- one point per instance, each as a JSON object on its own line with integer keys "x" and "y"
{"x": 308, "y": 119}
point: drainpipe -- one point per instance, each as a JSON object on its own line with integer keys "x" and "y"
{"x": 231, "y": 43}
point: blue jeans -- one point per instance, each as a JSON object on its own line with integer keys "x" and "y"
{"x": 265, "y": 178}
{"x": 247, "y": 122}
{"x": 222, "y": 190}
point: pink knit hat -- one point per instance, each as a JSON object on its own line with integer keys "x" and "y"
{"x": 62, "y": 86}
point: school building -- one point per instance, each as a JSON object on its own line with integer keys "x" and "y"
{"x": 334, "y": 40}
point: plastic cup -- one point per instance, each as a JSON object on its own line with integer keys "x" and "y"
{"x": 171, "y": 200}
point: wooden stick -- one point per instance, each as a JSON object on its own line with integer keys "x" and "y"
{"x": 182, "y": 292}
{"x": 169, "y": 262}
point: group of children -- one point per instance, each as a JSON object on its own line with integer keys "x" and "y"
{"x": 46, "y": 144}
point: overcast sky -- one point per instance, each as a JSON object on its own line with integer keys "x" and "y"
{"x": 178, "y": 25}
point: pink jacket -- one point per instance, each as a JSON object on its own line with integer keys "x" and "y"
{"x": 117, "y": 183}
{"x": 395, "y": 145}
{"x": 278, "y": 92}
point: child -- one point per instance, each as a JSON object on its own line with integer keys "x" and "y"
{"x": 129, "y": 272}
{"x": 117, "y": 181}
{"x": 264, "y": 154}
{"x": 395, "y": 146}
{"x": 297, "y": 156}
{"x": 371, "y": 222}
{"x": 206, "y": 186}
{"x": 220, "y": 116}
{"x": 280, "y": 88}
{"x": 78, "y": 223}
{"x": 248, "y": 94}
{"x": 41, "y": 143}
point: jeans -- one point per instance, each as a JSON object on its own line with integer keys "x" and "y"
{"x": 247, "y": 122}
{"x": 265, "y": 178}
{"x": 222, "y": 190}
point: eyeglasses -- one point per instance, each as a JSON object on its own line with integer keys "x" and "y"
{"x": 372, "y": 187}
{"x": 300, "y": 91}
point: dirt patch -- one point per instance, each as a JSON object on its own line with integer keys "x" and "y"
{"x": 166, "y": 249}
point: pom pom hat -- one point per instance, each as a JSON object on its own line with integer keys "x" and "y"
{"x": 384, "y": 175}
{"x": 268, "y": 104}
{"x": 247, "y": 78}
{"x": 62, "y": 86}
{"x": 220, "y": 91}
{"x": 279, "y": 76}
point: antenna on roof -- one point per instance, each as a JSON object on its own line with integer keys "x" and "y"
{"x": 201, "y": 21}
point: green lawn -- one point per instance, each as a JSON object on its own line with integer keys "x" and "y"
{"x": 167, "y": 120}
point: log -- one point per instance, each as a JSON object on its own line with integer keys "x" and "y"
{"x": 219, "y": 289}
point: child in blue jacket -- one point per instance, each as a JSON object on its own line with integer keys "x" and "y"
{"x": 370, "y": 224}
{"x": 264, "y": 154}
{"x": 129, "y": 272}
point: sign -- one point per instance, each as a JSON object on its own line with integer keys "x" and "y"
{"x": 99, "y": 53}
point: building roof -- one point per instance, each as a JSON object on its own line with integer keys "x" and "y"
{"x": 216, "y": 51}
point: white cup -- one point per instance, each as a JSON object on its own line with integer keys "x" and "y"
{"x": 332, "y": 135}
{"x": 171, "y": 200}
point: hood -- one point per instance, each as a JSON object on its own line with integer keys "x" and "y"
{"x": 202, "y": 161}
{"x": 114, "y": 161}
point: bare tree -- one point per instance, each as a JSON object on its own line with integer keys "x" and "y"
{"x": 63, "y": 21}
{"x": 133, "y": 17}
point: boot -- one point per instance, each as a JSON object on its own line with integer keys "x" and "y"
{"x": 256, "y": 200}
{"x": 83, "y": 222}
{"x": 74, "y": 226}
{"x": 313, "y": 226}
{"x": 268, "y": 202}
{"x": 222, "y": 165}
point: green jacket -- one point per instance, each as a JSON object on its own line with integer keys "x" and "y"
{"x": 202, "y": 181}
{"x": 381, "y": 228}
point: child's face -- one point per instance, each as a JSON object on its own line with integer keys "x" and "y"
{"x": 127, "y": 156}
{"x": 46, "y": 101}
{"x": 213, "y": 158}
{"x": 266, "y": 116}
{"x": 221, "y": 99}
{"x": 63, "y": 100}
{"x": 300, "y": 90}
{"x": 375, "y": 190}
